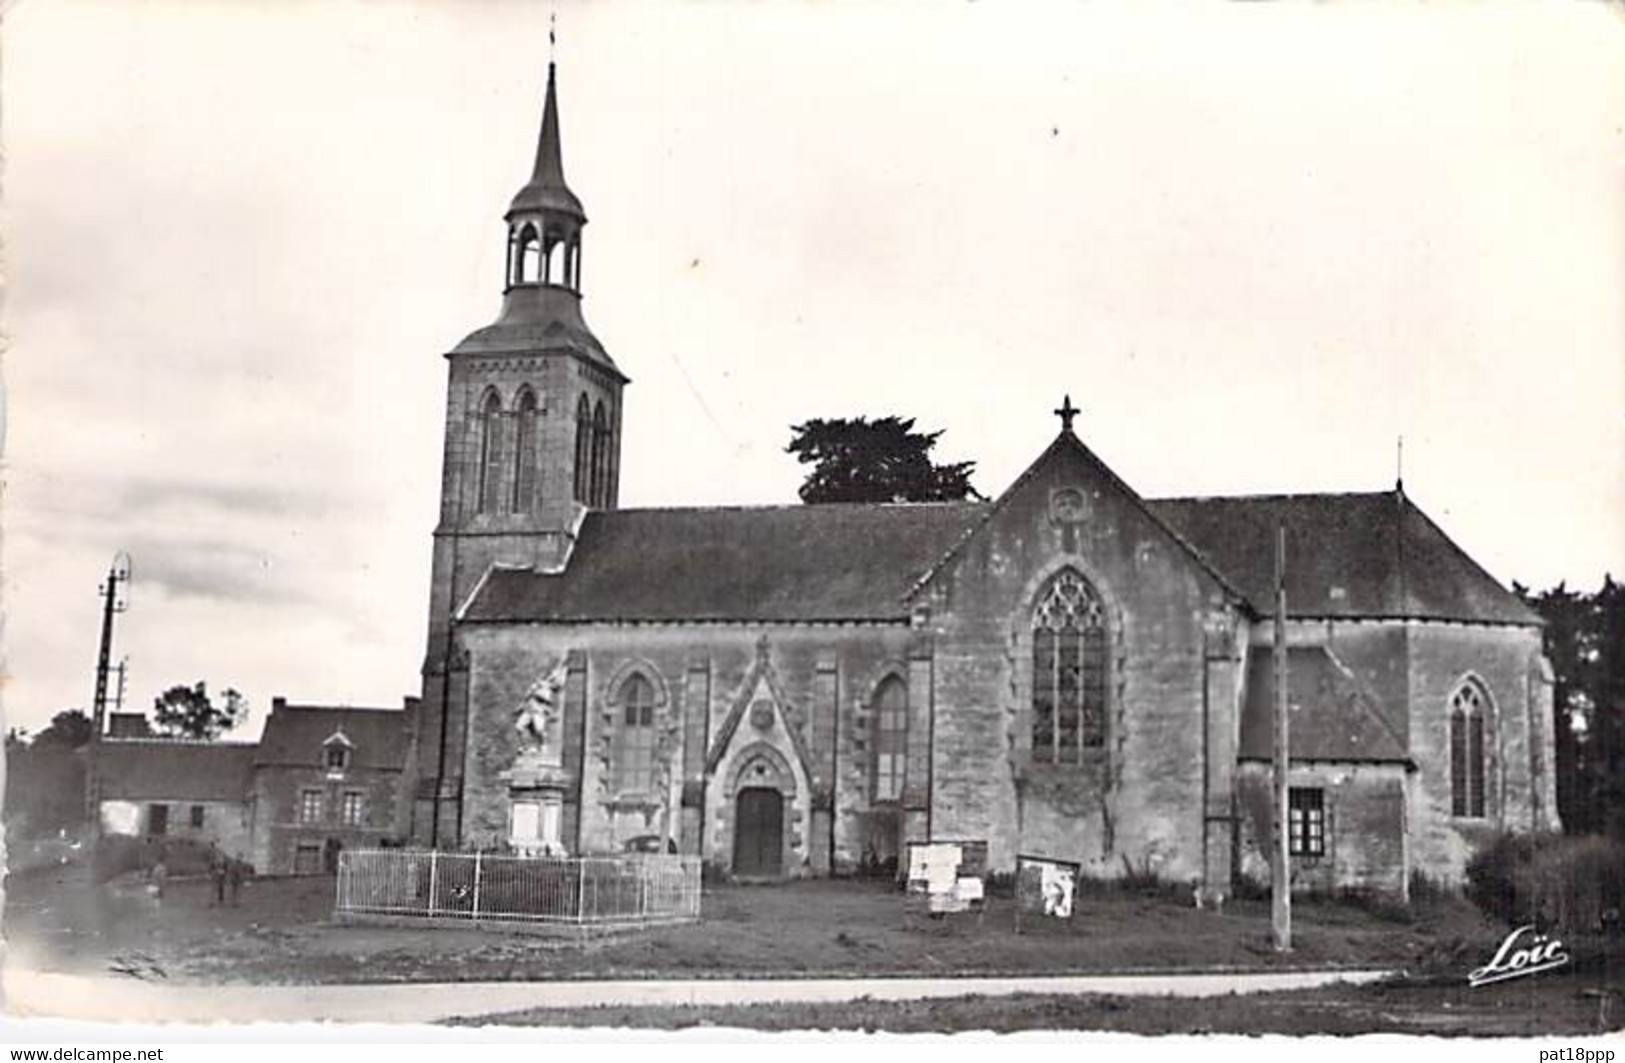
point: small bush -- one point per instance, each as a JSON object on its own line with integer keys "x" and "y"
{"x": 1574, "y": 884}
{"x": 1427, "y": 890}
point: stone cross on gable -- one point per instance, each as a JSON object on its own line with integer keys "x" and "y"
{"x": 1066, "y": 413}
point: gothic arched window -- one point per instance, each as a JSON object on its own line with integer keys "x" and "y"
{"x": 600, "y": 457}
{"x": 583, "y": 451}
{"x": 524, "y": 453}
{"x": 890, "y": 738}
{"x": 1469, "y": 705}
{"x": 1069, "y": 670}
{"x": 490, "y": 452}
{"x": 635, "y": 742}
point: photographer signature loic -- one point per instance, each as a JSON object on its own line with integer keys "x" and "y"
{"x": 1514, "y": 960}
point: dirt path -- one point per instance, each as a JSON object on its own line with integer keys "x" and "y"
{"x": 35, "y": 994}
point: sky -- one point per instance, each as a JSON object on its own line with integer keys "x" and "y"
{"x": 1255, "y": 243}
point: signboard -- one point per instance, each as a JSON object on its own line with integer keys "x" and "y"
{"x": 1046, "y": 887}
{"x": 948, "y": 873}
{"x": 934, "y": 866}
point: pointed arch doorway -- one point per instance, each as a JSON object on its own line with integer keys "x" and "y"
{"x": 759, "y": 833}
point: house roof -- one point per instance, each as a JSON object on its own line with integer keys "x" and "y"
{"x": 1348, "y": 555}
{"x": 1331, "y": 714}
{"x": 172, "y": 769}
{"x": 774, "y": 563}
{"x": 296, "y": 734}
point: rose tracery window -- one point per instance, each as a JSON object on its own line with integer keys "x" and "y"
{"x": 1069, "y": 670}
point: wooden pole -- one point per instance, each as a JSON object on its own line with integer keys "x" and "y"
{"x": 1280, "y": 866}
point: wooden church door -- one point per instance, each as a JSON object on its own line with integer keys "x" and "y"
{"x": 759, "y": 834}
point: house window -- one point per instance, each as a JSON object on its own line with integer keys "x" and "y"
{"x": 338, "y": 756}
{"x": 1306, "y": 821}
{"x": 891, "y": 738}
{"x": 352, "y": 810}
{"x": 634, "y": 761}
{"x": 1468, "y": 707}
{"x": 158, "y": 819}
{"x": 310, "y": 806}
{"x": 197, "y": 817}
{"x": 1069, "y": 670}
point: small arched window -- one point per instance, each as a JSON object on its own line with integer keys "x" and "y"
{"x": 524, "y": 453}
{"x": 1469, "y": 705}
{"x": 490, "y": 452}
{"x": 600, "y": 457}
{"x": 528, "y": 267}
{"x": 1069, "y": 670}
{"x": 558, "y": 261}
{"x": 890, "y": 738}
{"x": 583, "y": 450}
{"x": 635, "y": 746}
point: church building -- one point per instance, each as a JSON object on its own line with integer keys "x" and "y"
{"x": 1069, "y": 670}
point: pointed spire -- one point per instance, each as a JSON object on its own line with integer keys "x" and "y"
{"x": 547, "y": 189}
{"x": 549, "y": 169}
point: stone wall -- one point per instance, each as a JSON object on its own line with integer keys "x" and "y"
{"x": 1519, "y": 787}
{"x": 278, "y": 829}
{"x": 225, "y": 823}
{"x": 817, "y": 678}
{"x": 1173, "y": 682}
{"x": 468, "y": 542}
{"x": 1364, "y": 827}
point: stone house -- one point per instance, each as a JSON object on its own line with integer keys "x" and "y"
{"x": 1069, "y": 670}
{"x": 171, "y": 789}
{"x": 327, "y": 778}
{"x": 320, "y": 779}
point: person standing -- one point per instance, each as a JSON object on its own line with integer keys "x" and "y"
{"x": 236, "y": 871}
{"x": 217, "y": 874}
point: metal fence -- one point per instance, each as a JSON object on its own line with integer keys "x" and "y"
{"x": 606, "y": 891}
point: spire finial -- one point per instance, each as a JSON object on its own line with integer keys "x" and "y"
{"x": 552, "y": 35}
{"x": 1066, "y": 413}
{"x": 1399, "y": 465}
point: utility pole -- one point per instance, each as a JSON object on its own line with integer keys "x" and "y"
{"x": 1280, "y": 863}
{"x": 113, "y": 603}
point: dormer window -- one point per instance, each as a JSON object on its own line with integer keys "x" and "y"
{"x": 336, "y": 754}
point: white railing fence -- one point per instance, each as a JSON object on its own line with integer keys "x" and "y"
{"x": 630, "y": 890}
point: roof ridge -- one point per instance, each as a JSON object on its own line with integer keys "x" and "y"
{"x": 1272, "y": 496}
{"x": 794, "y": 506}
{"x": 288, "y": 707}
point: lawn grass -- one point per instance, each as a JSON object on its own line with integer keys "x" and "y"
{"x": 818, "y": 928}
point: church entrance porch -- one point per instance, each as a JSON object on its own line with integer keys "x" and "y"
{"x": 759, "y": 834}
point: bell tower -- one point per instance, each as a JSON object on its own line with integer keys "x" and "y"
{"x": 532, "y": 441}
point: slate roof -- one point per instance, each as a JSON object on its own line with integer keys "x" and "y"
{"x": 173, "y": 770}
{"x": 1350, "y": 555}
{"x": 1330, "y": 714}
{"x": 858, "y": 562}
{"x": 294, "y": 736}
{"x": 771, "y": 563}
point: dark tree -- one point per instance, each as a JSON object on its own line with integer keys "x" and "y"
{"x": 69, "y": 729}
{"x": 1585, "y": 642}
{"x": 188, "y": 712}
{"x": 885, "y": 460}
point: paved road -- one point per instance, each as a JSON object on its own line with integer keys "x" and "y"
{"x": 40, "y": 995}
